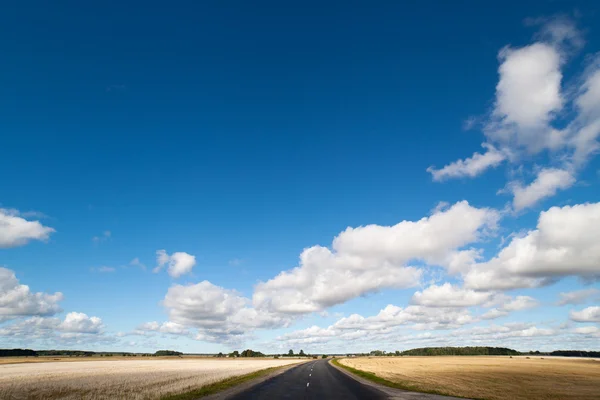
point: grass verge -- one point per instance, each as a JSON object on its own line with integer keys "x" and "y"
{"x": 396, "y": 385}
{"x": 221, "y": 385}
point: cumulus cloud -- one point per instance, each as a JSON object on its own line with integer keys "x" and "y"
{"x": 448, "y": 295}
{"x": 564, "y": 244}
{"x": 585, "y": 129}
{"x": 590, "y": 314}
{"x": 178, "y": 263}
{"x": 578, "y": 296}
{"x": 219, "y": 314}
{"x": 528, "y": 115}
{"x": 471, "y": 167}
{"x": 75, "y": 328}
{"x": 16, "y": 231}
{"x": 546, "y": 184}
{"x": 17, "y": 300}
{"x": 165, "y": 327}
{"x": 527, "y": 96}
{"x": 366, "y": 259}
{"x": 80, "y": 323}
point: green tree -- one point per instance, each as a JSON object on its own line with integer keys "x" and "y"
{"x": 301, "y": 353}
{"x": 291, "y": 352}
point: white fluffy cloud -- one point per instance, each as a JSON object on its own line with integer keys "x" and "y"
{"x": 75, "y": 328}
{"x": 448, "y": 295}
{"x": 366, "y": 259}
{"x": 17, "y": 231}
{"x": 546, "y": 184}
{"x": 585, "y": 129}
{"x": 527, "y": 117}
{"x": 219, "y": 314}
{"x": 527, "y": 96}
{"x": 577, "y": 296}
{"x": 508, "y": 305}
{"x": 165, "y": 327}
{"x": 590, "y": 314}
{"x": 178, "y": 263}
{"x": 564, "y": 244}
{"x": 17, "y": 300}
{"x": 471, "y": 167}
{"x": 80, "y": 323}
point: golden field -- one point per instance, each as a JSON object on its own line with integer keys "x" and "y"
{"x": 121, "y": 379}
{"x": 496, "y": 378}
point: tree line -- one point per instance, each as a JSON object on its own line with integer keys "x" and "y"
{"x": 460, "y": 351}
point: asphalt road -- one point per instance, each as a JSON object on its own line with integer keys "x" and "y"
{"x": 312, "y": 380}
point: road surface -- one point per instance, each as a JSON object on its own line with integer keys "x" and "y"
{"x": 312, "y": 380}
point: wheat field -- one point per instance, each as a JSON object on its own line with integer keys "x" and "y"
{"x": 121, "y": 379}
{"x": 494, "y": 378}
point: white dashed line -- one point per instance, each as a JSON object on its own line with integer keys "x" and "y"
{"x": 309, "y": 374}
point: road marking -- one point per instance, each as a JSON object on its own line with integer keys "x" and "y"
{"x": 309, "y": 374}
{"x": 307, "y": 384}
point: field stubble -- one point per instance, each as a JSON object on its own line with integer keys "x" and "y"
{"x": 131, "y": 379}
{"x": 494, "y": 378}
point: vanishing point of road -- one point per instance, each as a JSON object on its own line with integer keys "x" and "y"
{"x": 319, "y": 380}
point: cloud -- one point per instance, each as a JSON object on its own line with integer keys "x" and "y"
{"x": 520, "y": 303}
{"x": 471, "y": 167}
{"x": 179, "y": 263}
{"x": 528, "y": 95}
{"x": 76, "y": 328}
{"x": 585, "y": 129}
{"x": 137, "y": 263}
{"x": 509, "y": 305}
{"x": 17, "y": 231}
{"x": 80, "y": 323}
{"x": 369, "y": 258}
{"x": 219, "y": 314}
{"x": 592, "y": 331}
{"x": 590, "y": 314}
{"x": 533, "y": 114}
{"x": 564, "y": 244}
{"x": 560, "y": 31}
{"x": 103, "y": 269}
{"x": 547, "y": 183}
{"x": 106, "y": 235}
{"x": 165, "y": 327}
{"x": 577, "y": 296}
{"x": 17, "y": 300}
{"x": 448, "y": 295}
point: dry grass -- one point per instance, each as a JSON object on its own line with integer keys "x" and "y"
{"x": 40, "y": 359}
{"x": 120, "y": 379}
{"x": 491, "y": 378}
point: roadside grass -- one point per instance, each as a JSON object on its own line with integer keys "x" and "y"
{"x": 396, "y": 385}
{"x": 221, "y": 385}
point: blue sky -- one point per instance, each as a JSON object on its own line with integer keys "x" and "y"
{"x": 224, "y": 142}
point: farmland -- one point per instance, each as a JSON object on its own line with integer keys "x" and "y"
{"x": 494, "y": 378}
{"x": 131, "y": 379}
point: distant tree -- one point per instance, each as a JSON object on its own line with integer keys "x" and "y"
{"x": 220, "y": 355}
{"x": 234, "y": 354}
{"x": 324, "y": 356}
{"x": 397, "y": 353}
{"x": 301, "y": 353}
{"x": 251, "y": 353}
{"x": 291, "y": 352}
{"x": 167, "y": 353}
